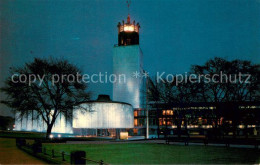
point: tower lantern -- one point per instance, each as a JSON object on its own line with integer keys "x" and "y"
{"x": 128, "y": 33}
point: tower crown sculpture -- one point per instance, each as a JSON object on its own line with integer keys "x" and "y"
{"x": 128, "y": 33}
{"x": 128, "y": 26}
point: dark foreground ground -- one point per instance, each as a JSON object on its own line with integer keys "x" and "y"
{"x": 136, "y": 152}
{"x": 152, "y": 153}
{"x": 10, "y": 154}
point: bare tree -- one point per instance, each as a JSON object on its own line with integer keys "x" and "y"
{"x": 154, "y": 96}
{"x": 210, "y": 91}
{"x": 229, "y": 86}
{"x": 48, "y": 98}
{"x": 162, "y": 94}
{"x": 206, "y": 87}
{"x": 243, "y": 86}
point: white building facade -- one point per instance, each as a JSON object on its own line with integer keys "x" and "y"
{"x": 128, "y": 61}
{"x": 102, "y": 113}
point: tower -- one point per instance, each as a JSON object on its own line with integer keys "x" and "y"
{"x": 128, "y": 64}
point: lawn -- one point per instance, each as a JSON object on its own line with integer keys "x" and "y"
{"x": 41, "y": 135}
{"x": 130, "y": 153}
{"x": 20, "y": 134}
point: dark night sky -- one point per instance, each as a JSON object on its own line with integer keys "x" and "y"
{"x": 174, "y": 33}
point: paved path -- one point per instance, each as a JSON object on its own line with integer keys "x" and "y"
{"x": 9, "y": 154}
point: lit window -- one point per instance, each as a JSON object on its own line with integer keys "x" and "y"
{"x": 160, "y": 121}
{"x": 128, "y": 28}
{"x": 135, "y": 113}
{"x": 136, "y": 123}
{"x": 169, "y": 122}
{"x": 167, "y": 112}
{"x": 164, "y": 112}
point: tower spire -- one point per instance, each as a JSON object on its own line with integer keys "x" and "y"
{"x": 128, "y": 5}
{"x": 128, "y": 32}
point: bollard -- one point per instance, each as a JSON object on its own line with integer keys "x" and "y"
{"x": 63, "y": 156}
{"x": 37, "y": 146}
{"x": 77, "y": 157}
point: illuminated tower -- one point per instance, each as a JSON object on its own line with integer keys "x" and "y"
{"x": 127, "y": 61}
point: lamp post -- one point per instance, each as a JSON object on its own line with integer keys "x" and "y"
{"x": 146, "y": 106}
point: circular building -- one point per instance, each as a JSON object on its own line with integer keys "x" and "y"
{"x": 103, "y": 115}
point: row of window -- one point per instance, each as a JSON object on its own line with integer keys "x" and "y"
{"x": 166, "y": 121}
{"x": 143, "y": 113}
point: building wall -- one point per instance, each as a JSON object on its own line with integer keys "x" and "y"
{"x": 103, "y": 115}
{"x": 127, "y": 60}
{"x": 94, "y": 115}
{"x": 201, "y": 117}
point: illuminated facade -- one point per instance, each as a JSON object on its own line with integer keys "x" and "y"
{"x": 128, "y": 61}
{"x": 196, "y": 117}
{"x": 29, "y": 122}
{"x": 103, "y": 114}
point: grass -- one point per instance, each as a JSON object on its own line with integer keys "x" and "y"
{"x": 131, "y": 153}
{"x": 20, "y": 134}
{"x": 42, "y": 135}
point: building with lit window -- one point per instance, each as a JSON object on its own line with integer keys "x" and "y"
{"x": 196, "y": 117}
{"x": 128, "y": 112}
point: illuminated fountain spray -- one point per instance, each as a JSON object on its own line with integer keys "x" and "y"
{"x": 29, "y": 122}
{"x": 98, "y": 114}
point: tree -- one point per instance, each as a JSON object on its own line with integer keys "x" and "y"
{"x": 162, "y": 94}
{"x": 167, "y": 91}
{"x": 229, "y": 86}
{"x": 242, "y": 89}
{"x": 218, "y": 82}
{"x": 154, "y": 95}
{"x": 210, "y": 91}
{"x": 60, "y": 89}
{"x": 185, "y": 94}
